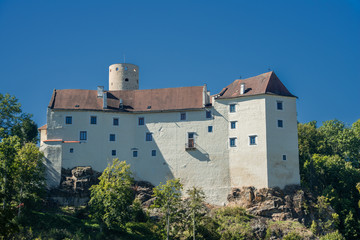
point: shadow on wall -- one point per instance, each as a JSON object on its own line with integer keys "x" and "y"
{"x": 149, "y": 164}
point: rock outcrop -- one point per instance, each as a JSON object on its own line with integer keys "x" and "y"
{"x": 76, "y": 182}
{"x": 274, "y": 203}
{"x": 74, "y": 186}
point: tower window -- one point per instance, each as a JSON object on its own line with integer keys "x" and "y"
{"x": 279, "y": 105}
{"x": 232, "y": 142}
{"x": 232, "y": 108}
{"x": 141, "y": 121}
{"x": 148, "y": 137}
{"x": 115, "y": 121}
{"x": 117, "y": 69}
{"x": 93, "y": 120}
{"x": 182, "y": 116}
{"x": 68, "y": 120}
{"x": 112, "y": 138}
{"x": 153, "y": 153}
{"x": 233, "y": 124}
{"x": 208, "y": 114}
{"x": 113, "y": 152}
{"x": 280, "y": 123}
{"x": 210, "y": 128}
{"x": 71, "y": 150}
{"x": 126, "y": 79}
{"x": 252, "y": 140}
{"x": 83, "y": 135}
{"x": 284, "y": 157}
{"x": 135, "y": 153}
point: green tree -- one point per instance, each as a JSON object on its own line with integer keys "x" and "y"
{"x": 111, "y": 199}
{"x": 13, "y": 122}
{"x": 29, "y": 171}
{"x": 168, "y": 200}
{"x": 351, "y": 227}
{"x": 196, "y": 208}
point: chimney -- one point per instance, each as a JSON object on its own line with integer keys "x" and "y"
{"x": 242, "y": 88}
{"x": 104, "y": 100}
{"x": 100, "y": 91}
{"x": 121, "y": 105}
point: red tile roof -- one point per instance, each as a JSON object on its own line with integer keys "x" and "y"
{"x": 266, "y": 83}
{"x": 44, "y": 127}
{"x": 133, "y": 100}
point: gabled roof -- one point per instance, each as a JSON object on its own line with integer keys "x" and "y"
{"x": 266, "y": 83}
{"x": 132, "y": 100}
{"x": 43, "y": 127}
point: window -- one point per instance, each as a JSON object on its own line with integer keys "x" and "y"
{"x": 148, "y": 137}
{"x": 115, "y": 121}
{"x": 182, "y": 116}
{"x": 191, "y": 140}
{"x": 141, "y": 121}
{"x": 232, "y": 142}
{"x": 280, "y": 123}
{"x": 112, "y": 137}
{"x": 71, "y": 150}
{"x": 83, "y": 135}
{"x": 210, "y": 128}
{"x": 233, "y": 124}
{"x": 284, "y": 157}
{"x": 153, "y": 153}
{"x": 252, "y": 140}
{"x": 93, "y": 120}
{"x": 135, "y": 153}
{"x": 279, "y": 105}
{"x": 113, "y": 152}
{"x": 232, "y": 107}
{"x": 68, "y": 120}
{"x": 208, "y": 114}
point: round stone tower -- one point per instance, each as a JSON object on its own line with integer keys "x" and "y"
{"x": 123, "y": 76}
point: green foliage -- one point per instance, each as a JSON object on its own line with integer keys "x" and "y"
{"x": 329, "y": 168}
{"x": 195, "y": 210}
{"x": 292, "y": 236}
{"x": 168, "y": 200}
{"x": 111, "y": 199}
{"x": 351, "y": 227}
{"x": 333, "y": 236}
{"x": 13, "y": 122}
{"x": 233, "y": 223}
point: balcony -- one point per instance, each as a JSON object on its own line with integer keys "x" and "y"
{"x": 190, "y": 145}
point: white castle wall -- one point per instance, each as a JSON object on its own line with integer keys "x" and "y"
{"x": 213, "y": 165}
{"x": 282, "y": 141}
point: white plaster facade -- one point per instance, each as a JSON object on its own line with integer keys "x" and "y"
{"x": 216, "y": 163}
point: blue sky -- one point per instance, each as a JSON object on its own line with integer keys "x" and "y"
{"x": 313, "y": 47}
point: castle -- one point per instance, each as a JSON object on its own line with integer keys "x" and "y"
{"x": 246, "y": 135}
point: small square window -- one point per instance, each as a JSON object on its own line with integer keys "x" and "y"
{"x": 68, "y": 120}
{"x": 232, "y": 107}
{"x": 83, "y": 135}
{"x": 148, "y": 137}
{"x": 113, "y": 152}
{"x": 115, "y": 121}
{"x": 279, "y": 105}
{"x": 252, "y": 140}
{"x": 182, "y": 116}
{"x": 191, "y": 135}
{"x": 135, "y": 153}
{"x": 71, "y": 150}
{"x": 284, "y": 157}
{"x": 232, "y": 142}
{"x": 153, "y": 153}
{"x": 210, "y": 128}
{"x": 93, "y": 120}
{"x": 233, "y": 124}
{"x": 141, "y": 121}
{"x": 280, "y": 123}
{"x": 112, "y": 137}
{"x": 208, "y": 114}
